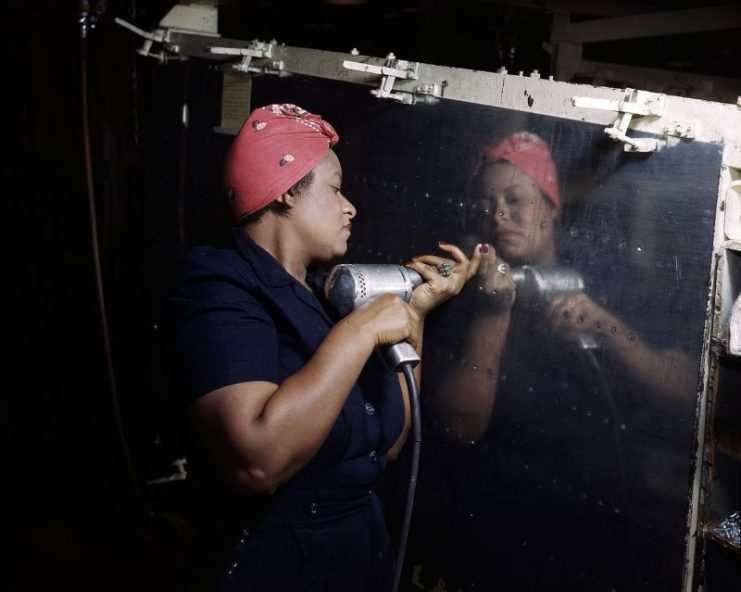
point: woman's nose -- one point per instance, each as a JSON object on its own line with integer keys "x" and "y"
{"x": 348, "y": 208}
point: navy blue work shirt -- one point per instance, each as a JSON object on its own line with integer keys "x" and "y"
{"x": 239, "y": 316}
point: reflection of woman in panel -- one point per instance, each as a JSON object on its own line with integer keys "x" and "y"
{"x": 539, "y": 483}
{"x": 294, "y": 410}
{"x": 516, "y": 182}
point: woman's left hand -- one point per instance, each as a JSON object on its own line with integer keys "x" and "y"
{"x": 444, "y": 277}
{"x": 577, "y": 313}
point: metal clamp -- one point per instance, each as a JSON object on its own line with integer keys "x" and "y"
{"x": 392, "y": 70}
{"x": 157, "y": 36}
{"x": 636, "y": 102}
{"x": 162, "y": 36}
{"x": 257, "y": 49}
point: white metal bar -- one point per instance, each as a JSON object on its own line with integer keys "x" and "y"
{"x": 380, "y": 70}
{"x": 158, "y": 36}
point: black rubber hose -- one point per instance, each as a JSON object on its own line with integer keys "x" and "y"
{"x": 610, "y": 399}
{"x": 408, "y": 371}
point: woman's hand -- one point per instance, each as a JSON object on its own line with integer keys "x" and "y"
{"x": 385, "y": 319}
{"x": 444, "y": 277}
{"x": 495, "y": 282}
{"x": 578, "y": 313}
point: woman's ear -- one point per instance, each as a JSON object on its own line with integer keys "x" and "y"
{"x": 287, "y": 200}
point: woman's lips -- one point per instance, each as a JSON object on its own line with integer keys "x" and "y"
{"x": 505, "y": 235}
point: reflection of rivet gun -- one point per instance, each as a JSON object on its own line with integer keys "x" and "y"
{"x": 536, "y": 285}
{"x": 540, "y": 285}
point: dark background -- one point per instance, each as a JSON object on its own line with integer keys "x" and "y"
{"x": 77, "y": 512}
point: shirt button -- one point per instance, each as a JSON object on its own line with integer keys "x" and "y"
{"x": 370, "y": 409}
{"x": 313, "y": 508}
{"x": 373, "y": 456}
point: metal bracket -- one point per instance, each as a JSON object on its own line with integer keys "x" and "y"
{"x": 180, "y": 474}
{"x": 681, "y": 130}
{"x": 392, "y": 70}
{"x": 636, "y": 102}
{"x": 732, "y": 222}
{"x": 162, "y": 36}
{"x": 257, "y": 49}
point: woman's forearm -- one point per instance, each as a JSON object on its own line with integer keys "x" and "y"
{"x": 465, "y": 398}
{"x": 660, "y": 372}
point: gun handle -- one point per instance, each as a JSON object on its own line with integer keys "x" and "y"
{"x": 398, "y": 354}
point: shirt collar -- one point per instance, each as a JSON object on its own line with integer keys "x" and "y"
{"x": 267, "y": 267}
{"x": 273, "y": 274}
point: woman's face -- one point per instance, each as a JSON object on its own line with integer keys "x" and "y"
{"x": 322, "y": 214}
{"x": 520, "y": 221}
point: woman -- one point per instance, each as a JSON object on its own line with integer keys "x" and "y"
{"x": 520, "y": 201}
{"x": 294, "y": 410}
{"x": 541, "y": 483}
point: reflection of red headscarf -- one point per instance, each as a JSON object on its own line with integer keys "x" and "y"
{"x": 276, "y": 147}
{"x": 531, "y": 155}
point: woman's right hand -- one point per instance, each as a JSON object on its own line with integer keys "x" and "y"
{"x": 495, "y": 281}
{"x": 387, "y": 319}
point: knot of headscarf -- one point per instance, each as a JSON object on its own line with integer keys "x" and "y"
{"x": 531, "y": 155}
{"x": 275, "y": 148}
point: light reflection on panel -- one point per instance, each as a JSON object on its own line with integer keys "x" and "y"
{"x": 558, "y": 429}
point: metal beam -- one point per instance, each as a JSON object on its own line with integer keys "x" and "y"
{"x": 694, "y": 20}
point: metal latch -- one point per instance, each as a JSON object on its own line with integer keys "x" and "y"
{"x": 257, "y": 49}
{"x": 391, "y": 71}
{"x": 636, "y": 102}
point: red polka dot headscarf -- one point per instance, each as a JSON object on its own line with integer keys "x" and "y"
{"x": 531, "y": 155}
{"x": 275, "y": 148}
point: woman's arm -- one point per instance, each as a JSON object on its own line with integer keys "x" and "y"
{"x": 661, "y": 372}
{"x": 464, "y": 399}
{"x": 426, "y": 297}
{"x": 260, "y": 434}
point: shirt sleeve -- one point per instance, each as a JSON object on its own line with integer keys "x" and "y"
{"x": 221, "y": 334}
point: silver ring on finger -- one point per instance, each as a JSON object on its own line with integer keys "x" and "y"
{"x": 502, "y": 268}
{"x": 445, "y": 269}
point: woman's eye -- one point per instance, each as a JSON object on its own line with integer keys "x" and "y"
{"x": 511, "y": 198}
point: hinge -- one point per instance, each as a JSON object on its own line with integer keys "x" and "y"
{"x": 390, "y": 72}
{"x": 636, "y": 102}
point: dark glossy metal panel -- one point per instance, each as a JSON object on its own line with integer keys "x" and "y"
{"x": 580, "y": 476}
